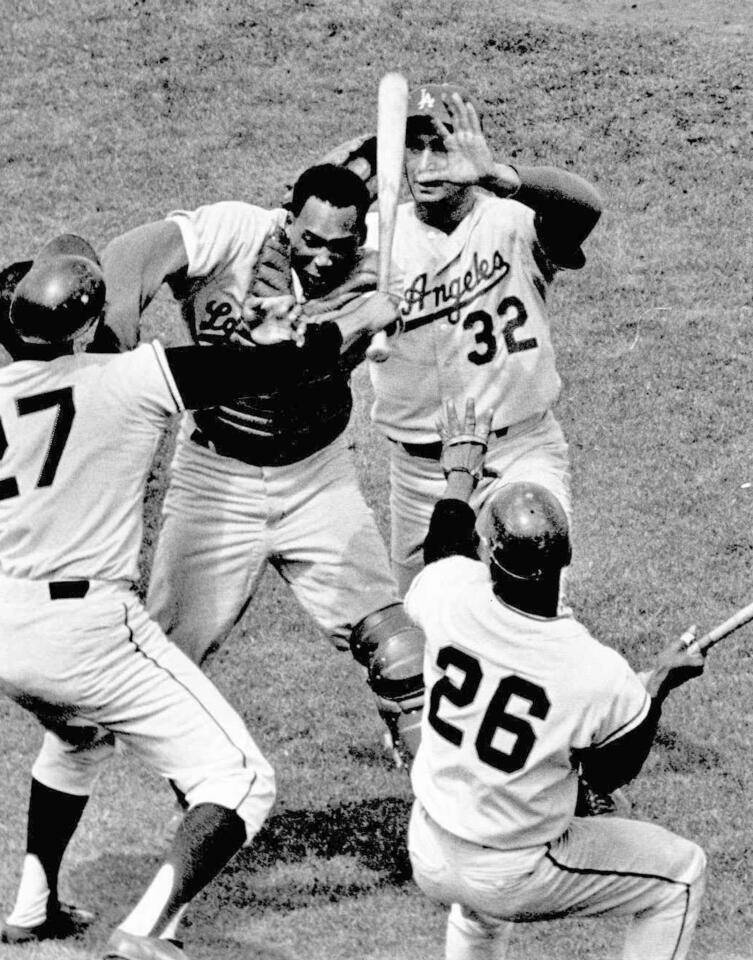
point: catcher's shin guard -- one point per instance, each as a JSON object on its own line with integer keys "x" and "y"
{"x": 391, "y": 648}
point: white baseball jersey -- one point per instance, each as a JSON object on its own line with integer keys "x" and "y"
{"x": 509, "y": 696}
{"x": 475, "y": 321}
{"x": 222, "y": 242}
{"x": 77, "y": 438}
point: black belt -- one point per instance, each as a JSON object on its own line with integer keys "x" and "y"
{"x": 433, "y": 451}
{"x": 68, "y": 589}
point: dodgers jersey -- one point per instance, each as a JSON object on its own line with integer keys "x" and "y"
{"x": 222, "y": 242}
{"x": 77, "y": 439}
{"x": 475, "y": 321}
{"x": 509, "y": 696}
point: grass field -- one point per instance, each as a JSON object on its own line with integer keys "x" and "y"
{"x": 115, "y": 113}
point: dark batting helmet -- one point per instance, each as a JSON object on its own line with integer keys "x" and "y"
{"x": 526, "y": 532}
{"x": 62, "y": 293}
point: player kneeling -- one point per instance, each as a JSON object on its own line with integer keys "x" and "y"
{"x": 78, "y": 433}
{"x": 519, "y": 694}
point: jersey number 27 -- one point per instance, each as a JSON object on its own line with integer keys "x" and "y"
{"x": 495, "y": 717}
{"x": 63, "y": 400}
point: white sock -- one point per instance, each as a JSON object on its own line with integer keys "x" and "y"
{"x": 140, "y": 921}
{"x": 31, "y": 901}
{"x": 171, "y": 930}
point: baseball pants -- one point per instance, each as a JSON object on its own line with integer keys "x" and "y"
{"x": 599, "y": 866}
{"x": 99, "y": 665}
{"x": 537, "y": 454}
{"x": 223, "y": 520}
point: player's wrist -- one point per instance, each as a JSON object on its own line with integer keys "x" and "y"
{"x": 503, "y": 179}
{"x": 460, "y": 484}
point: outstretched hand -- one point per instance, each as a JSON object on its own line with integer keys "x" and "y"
{"x": 468, "y": 160}
{"x": 269, "y": 320}
{"x": 464, "y": 445}
{"x": 677, "y": 663}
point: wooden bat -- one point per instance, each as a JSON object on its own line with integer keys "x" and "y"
{"x": 392, "y": 110}
{"x": 737, "y": 620}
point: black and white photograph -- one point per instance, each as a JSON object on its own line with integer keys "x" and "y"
{"x": 376, "y": 480}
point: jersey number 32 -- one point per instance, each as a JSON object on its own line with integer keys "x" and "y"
{"x": 495, "y": 717}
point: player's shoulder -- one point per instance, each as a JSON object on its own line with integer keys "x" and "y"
{"x": 226, "y": 213}
{"x": 506, "y": 210}
{"x": 597, "y": 664}
{"x": 445, "y": 578}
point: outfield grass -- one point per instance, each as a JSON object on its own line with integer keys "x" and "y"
{"x": 114, "y": 113}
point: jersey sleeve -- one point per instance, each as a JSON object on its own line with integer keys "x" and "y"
{"x": 435, "y": 583}
{"x": 622, "y": 705}
{"x": 142, "y": 380}
{"x": 216, "y": 233}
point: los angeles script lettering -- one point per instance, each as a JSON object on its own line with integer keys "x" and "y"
{"x": 419, "y": 298}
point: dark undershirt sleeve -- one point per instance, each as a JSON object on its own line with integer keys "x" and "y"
{"x": 452, "y": 531}
{"x": 567, "y": 208}
{"x": 619, "y": 762}
{"x": 208, "y": 376}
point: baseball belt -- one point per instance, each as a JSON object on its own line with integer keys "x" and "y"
{"x": 433, "y": 451}
{"x": 27, "y": 591}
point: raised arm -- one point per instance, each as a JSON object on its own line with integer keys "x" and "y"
{"x": 567, "y": 206}
{"x": 452, "y": 529}
{"x": 136, "y": 264}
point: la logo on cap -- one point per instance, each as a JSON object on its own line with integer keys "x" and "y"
{"x": 425, "y": 101}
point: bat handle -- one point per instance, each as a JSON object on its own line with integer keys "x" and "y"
{"x": 379, "y": 349}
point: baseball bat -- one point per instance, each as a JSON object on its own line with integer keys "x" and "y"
{"x": 722, "y": 630}
{"x": 392, "y": 110}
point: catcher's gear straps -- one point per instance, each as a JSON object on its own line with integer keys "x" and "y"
{"x": 391, "y": 648}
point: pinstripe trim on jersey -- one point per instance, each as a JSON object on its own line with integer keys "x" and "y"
{"x": 634, "y": 721}
{"x": 168, "y": 375}
{"x": 594, "y": 871}
{"x": 132, "y": 640}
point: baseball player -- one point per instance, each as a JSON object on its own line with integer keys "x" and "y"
{"x": 518, "y": 694}
{"x": 78, "y": 432}
{"x": 271, "y": 479}
{"x": 478, "y": 246}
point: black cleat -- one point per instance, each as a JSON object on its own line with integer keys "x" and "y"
{"x": 66, "y": 921}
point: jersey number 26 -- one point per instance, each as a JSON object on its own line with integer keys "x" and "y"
{"x": 495, "y": 717}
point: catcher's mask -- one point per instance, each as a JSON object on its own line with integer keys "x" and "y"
{"x": 61, "y": 296}
{"x": 524, "y": 533}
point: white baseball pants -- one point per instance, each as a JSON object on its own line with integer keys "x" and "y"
{"x": 599, "y": 866}
{"x": 223, "y": 520}
{"x": 537, "y": 454}
{"x": 100, "y": 660}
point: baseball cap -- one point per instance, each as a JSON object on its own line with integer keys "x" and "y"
{"x": 429, "y": 99}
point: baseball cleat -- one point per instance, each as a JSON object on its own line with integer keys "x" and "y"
{"x": 129, "y": 946}
{"x": 66, "y": 921}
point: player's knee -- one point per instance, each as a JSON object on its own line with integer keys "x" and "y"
{"x": 72, "y": 756}
{"x": 697, "y": 863}
{"x": 391, "y": 647}
{"x": 249, "y": 789}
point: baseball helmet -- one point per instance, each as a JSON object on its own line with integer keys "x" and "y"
{"x": 62, "y": 293}
{"x": 430, "y": 99}
{"x": 525, "y": 532}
